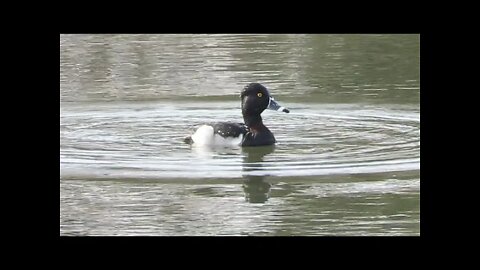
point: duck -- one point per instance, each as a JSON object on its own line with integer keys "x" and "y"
{"x": 255, "y": 98}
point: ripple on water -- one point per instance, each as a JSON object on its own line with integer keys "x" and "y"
{"x": 140, "y": 140}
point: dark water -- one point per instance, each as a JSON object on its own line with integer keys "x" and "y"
{"x": 347, "y": 161}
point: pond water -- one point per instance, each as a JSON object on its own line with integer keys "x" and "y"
{"x": 347, "y": 161}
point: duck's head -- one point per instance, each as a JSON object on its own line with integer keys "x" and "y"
{"x": 256, "y": 98}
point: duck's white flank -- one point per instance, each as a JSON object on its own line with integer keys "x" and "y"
{"x": 205, "y": 136}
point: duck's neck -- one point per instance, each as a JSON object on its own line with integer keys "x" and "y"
{"x": 253, "y": 121}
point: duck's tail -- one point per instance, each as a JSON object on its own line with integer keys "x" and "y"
{"x": 188, "y": 140}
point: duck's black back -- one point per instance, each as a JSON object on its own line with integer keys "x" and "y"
{"x": 229, "y": 129}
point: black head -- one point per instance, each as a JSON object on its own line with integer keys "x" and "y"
{"x": 256, "y": 98}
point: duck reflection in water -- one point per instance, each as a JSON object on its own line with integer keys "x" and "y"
{"x": 256, "y": 189}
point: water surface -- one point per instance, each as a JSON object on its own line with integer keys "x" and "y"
{"x": 346, "y": 162}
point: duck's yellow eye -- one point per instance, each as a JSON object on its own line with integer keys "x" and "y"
{"x": 259, "y": 94}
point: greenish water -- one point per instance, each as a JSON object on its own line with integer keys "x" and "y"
{"x": 347, "y": 161}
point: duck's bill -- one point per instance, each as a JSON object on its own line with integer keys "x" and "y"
{"x": 273, "y": 105}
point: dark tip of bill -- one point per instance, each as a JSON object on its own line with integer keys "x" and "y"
{"x": 286, "y": 110}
